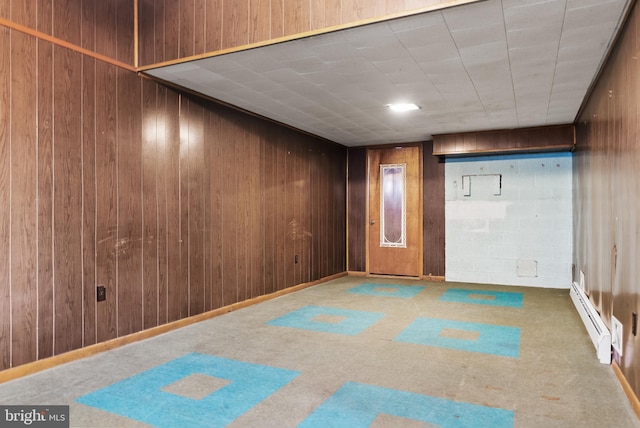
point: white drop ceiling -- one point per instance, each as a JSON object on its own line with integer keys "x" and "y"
{"x": 494, "y": 64}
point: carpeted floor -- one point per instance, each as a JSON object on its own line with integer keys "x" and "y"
{"x": 353, "y": 352}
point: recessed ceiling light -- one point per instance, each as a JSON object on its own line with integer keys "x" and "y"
{"x": 403, "y": 107}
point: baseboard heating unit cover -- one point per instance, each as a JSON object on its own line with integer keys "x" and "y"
{"x": 598, "y": 331}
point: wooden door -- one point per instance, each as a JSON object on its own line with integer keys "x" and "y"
{"x": 395, "y": 211}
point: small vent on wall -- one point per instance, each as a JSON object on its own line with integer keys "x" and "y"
{"x": 527, "y": 268}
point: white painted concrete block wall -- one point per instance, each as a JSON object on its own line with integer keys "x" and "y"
{"x": 487, "y": 235}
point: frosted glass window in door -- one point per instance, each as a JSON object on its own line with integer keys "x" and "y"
{"x": 393, "y": 230}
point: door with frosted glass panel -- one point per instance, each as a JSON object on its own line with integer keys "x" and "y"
{"x": 395, "y": 211}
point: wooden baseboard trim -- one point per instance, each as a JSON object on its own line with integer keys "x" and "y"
{"x": 633, "y": 399}
{"x": 356, "y": 273}
{"x": 433, "y": 278}
{"x": 77, "y": 354}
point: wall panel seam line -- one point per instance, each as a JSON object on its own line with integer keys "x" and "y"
{"x": 37, "y": 140}
{"x": 10, "y": 203}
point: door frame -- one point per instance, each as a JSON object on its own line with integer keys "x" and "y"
{"x": 420, "y": 209}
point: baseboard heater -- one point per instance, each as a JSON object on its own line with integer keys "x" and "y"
{"x": 598, "y": 331}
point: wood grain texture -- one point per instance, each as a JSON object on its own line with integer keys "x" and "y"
{"x": 129, "y": 198}
{"x": 606, "y": 198}
{"x": 527, "y": 140}
{"x": 45, "y": 199}
{"x": 89, "y": 199}
{"x": 433, "y": 212}
{"x": 23, "y": 199}
{"x": 357, "y": 209}
{"x": 106, "y": 198}
{"x": 5, "y": 195}
{"x": 67, "y": 200}
{"x": 179, "y": 32}
{"x": 176, "y": 205}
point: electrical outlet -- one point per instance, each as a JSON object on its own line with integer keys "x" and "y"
{"x": 101, "y": 293}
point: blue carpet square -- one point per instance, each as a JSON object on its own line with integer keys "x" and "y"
{"x": 328, "y": 320}
{"x": 388, "y": 290}
{"x": 141, "y": 397}
{"x": 489, "y": 338}
{"x": 357, "y": 405}
{"x": 483, "y": 297}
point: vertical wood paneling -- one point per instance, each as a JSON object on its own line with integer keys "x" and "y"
{"x": 255, "y": 222}
{"x": 229, "y": 218}
{"x": 215, "y": 227}
{"x": 268, "y": 219}
{"x": 151, "y": 230}
{"x": 129, "y": 229}
{"x": 235, "y": 28}
{"x": 161, "y": 125}
{"x": 5, "y": 195}
{"x": 184, "y": 209}
{"x": 357, "y": 209}
{"x": 106, "y": 198}
{"x": 175, "y": 205}
{"x": 197, "y": 201}
{"x": 67, "y": 200}
{"x": 218, "y": 24}
{"x": 88, "y": 32}
{"x": 67, "y": 16}
{"x": 45, "y": 17}
{"x": 23, "y": 12}
{"x": 606, "y": 198}
{"x": 89, "y": 199}
{"x": 124, "y": 30}
{"x": 277, "y": 18}
{"x": 241, "y": 212}
{"x": 176, "y": 288}
{"x": 259, "y": 28}
{"x": 148, "y": 39}
{"x": 105, "y": 35}
{"x": 213, "y": 26}
{"x": 187, "y": 22}
{"x": 433, "y": 226}
{"x": 296, "y": 17}
{"x": 199, "y": 27}
{"x": 23, "y": 199}
{"x": 45, "y": 199}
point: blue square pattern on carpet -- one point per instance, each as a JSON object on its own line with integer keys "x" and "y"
{"x": 357, "y": 405}
{"x": 328, "y": 320}
{"x": 387, "y": 290}
{"x": 465, "y": 336}
{"x": 141, "y": 397}
{"x": 483, "y": 297}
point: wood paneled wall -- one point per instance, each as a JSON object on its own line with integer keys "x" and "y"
{"x": 172, "y": 29}
{"x": 176, "y": 205}
{"x": 433, "y": 211}
{"x": 102, "y": 26}
{"x": 607, "y": 193}
{"x": 524, "y": 140}
{"x": 357, "y": 209}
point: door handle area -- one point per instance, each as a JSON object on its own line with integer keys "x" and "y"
{"x": 372, "y": 222}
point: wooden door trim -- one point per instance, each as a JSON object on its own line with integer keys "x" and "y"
{"x": 420, "y": 208}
